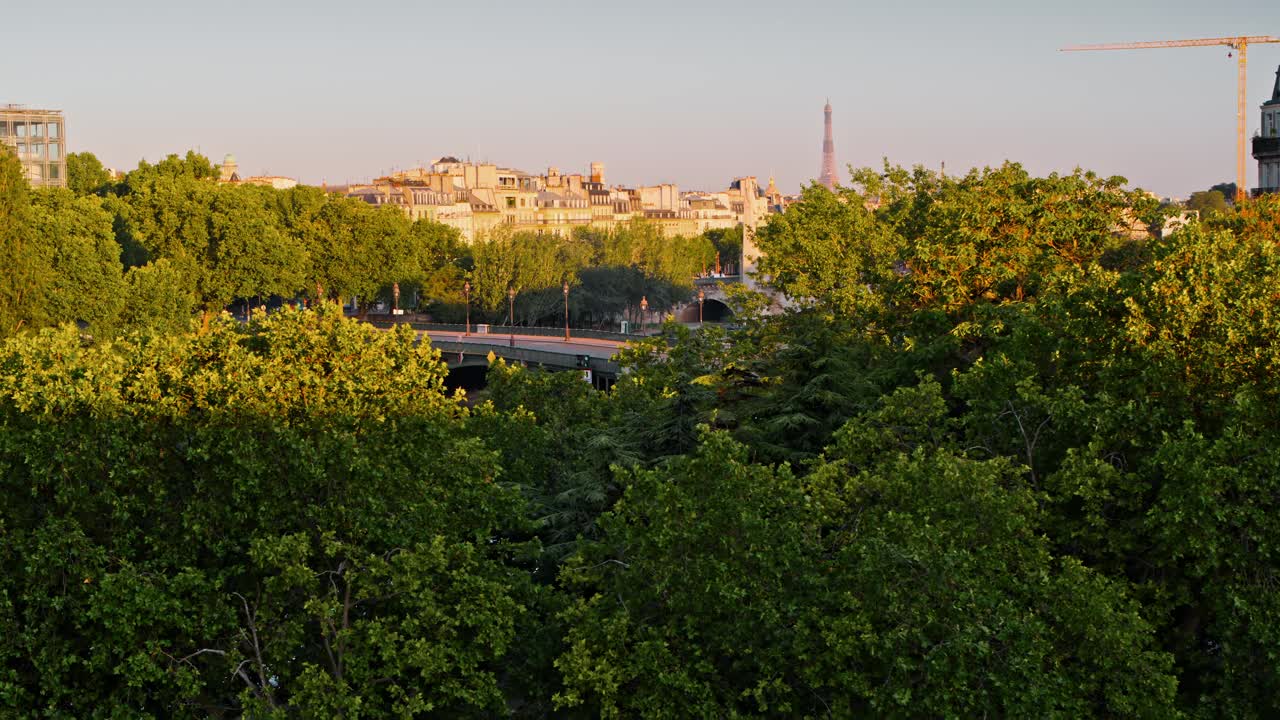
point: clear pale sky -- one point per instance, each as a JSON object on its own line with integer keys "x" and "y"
{"x": 694, "y": 92}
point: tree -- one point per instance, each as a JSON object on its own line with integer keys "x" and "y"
{"x": 1208, "y": 202}
{"x": 88, "y": 284}
{"x": 157, "y": 299}
{"x": 227, "y": 241}
{"x": 192, "y": 166}
{"x": 85, "y": 174}
{"x": 276, "y": 520}
{"x": 436, "y": 258}
{"x": 1227, "y": 189}
{"x": 249, "y": 255}
{"x": 898, "y": 589}
{"x": 359, "y": 249}
{"x": 27, "y": 264}
{"x": 727, "y": 243}
{"x": 829, "y": 250}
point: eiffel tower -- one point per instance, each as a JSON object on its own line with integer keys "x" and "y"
{"x": 828, "y": 176}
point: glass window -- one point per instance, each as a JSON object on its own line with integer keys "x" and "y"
{"x": 36, "y": 129}
{"x": 37, "y": 151}
{"x": 54, "y": 173}
{"x": 4, "y": 128}
{"x": 55, "y": 131}
{"x": 55, "y": 151}
{"x": 20, "y": 129}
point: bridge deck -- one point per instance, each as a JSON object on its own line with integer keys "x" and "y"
{"x": 529, "y": 349}
{"x": 538, "y": 346}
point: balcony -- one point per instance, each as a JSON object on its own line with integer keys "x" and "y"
{"x": 1266, "y": 146}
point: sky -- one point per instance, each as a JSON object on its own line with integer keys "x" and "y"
{"x": 695, "y": 92}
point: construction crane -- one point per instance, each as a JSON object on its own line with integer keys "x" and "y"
{"x": 1241, "y": 46}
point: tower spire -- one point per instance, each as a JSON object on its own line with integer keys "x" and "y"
{"x": 828, "y": 175}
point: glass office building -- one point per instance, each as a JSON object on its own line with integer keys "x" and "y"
{"x": 40, "y": 138}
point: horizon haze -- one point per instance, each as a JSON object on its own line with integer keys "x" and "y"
{"x": 697, "y": 95}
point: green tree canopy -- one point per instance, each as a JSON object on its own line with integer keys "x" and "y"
{"x": 28, "y": 264}
{"x": 1208, "y": 202}
{"x": 85, "y": 173}
{"x": 157, "y": 298}
{"x": 88, "y": 282}
{"x": 896, "y": 589}
{"x": 274, "y": 520}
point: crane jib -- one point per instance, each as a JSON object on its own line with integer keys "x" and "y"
{"x": 1239, "y": 43}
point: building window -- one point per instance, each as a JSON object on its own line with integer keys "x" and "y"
{"x": 54, "y": 131}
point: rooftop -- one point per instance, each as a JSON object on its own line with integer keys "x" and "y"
{"x": 14, "y": 107}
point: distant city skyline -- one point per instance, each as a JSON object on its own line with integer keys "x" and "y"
{"x": 693, "y": 95}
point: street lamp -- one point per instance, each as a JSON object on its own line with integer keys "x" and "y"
{"x": 466, "y": 293}
{"x": 701, "y": 297}
{"x": 644, "y": 311}
{"x": 566, "y": 310}
{"x": 511, "y": 312}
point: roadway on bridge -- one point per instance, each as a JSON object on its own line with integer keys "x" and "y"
{"x": 602, "y": 349}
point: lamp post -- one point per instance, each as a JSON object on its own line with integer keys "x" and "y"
{"x": 466, "y": 294}
{"x": 644, "y": 311}
{"x": 511, "y": 313}
{"x": 566, "y": 310}
{"x": 701, "y": 297}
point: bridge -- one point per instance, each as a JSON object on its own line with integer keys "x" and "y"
{"x": 467, "y": 354}
{"x": 715, "y": 302}
{"x": 467, "y": 350}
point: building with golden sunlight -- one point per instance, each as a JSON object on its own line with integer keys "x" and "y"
{"x": 476, "y": 198}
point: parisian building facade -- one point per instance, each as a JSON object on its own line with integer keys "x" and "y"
{"x": 1266, "y": 146}
{"x": 479, "y": 198}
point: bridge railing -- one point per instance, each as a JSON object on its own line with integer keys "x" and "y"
{"x": 505, "y": 330}
{"x": 717, "y": 280}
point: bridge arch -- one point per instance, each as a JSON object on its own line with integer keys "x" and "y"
{"x": 468, "y": 376}
{"x": 714, "y": 311}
